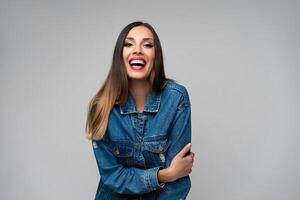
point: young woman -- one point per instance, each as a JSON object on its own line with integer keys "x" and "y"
{"x": 140, "y": 124}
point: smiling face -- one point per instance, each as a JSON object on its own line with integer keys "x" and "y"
{"x": 139, "y": 53}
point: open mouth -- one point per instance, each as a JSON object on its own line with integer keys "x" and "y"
{"x": 137, "y": 63}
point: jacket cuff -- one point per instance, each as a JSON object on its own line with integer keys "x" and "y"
{"x": 152, "y": 180}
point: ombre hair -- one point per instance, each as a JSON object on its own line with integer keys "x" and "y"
{"x": 115, "y": 88}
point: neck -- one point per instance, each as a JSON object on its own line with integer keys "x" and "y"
{"x": 139, "y": 88}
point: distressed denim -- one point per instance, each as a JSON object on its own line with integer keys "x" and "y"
{"x": 137, "y": 144}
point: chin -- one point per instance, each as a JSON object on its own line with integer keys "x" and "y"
{"x": 137, "y": 77}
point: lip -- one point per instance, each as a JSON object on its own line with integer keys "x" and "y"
{"x": 137, "y": 58}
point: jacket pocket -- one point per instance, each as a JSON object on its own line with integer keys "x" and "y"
{"x": 156, "y": 151}
{"x": 123, "y": 152}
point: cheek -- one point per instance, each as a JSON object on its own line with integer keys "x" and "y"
{"x": 152, "y": 53}
{"x": 152, "y": 56}
{"x": 125, "y": 54}
{"x": 125, "y": 63}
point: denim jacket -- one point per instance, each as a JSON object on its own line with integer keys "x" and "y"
{"x": 137, "y": 144}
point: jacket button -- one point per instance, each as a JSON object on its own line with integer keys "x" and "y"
{"x": 160, "y": 148}
{"x": 117, "y": 152}
{"x": 162, "y": 157}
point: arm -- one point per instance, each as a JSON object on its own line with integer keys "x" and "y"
{"x": 120, "y": 179}
{"x": 180, "y": 136}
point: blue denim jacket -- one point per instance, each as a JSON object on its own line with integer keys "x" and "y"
{"x": 138, "y": 144}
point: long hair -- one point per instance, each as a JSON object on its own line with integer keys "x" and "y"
{"x": 115, "y": 87}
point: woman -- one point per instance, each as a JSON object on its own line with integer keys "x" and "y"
{"x": 140, "y": 124}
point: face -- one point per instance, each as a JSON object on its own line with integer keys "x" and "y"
{"x": 138, "y": 53}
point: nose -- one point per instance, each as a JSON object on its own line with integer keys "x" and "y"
{"x": 137, "y": 49}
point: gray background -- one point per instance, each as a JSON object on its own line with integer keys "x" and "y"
{"x": 238, "y": 59}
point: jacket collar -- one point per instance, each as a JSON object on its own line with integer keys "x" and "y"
{"x": 152, "y": 104}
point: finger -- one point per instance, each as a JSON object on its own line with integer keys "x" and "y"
{"x": 185, "y": 150}
{"x": 192, "y": 153}
{"x": 188, "y": 171}
{"x": 190, "y": 157}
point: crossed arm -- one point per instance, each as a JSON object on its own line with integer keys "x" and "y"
{"x": 172, "y": 181}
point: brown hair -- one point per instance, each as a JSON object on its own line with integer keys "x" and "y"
{"x": 115, "y": 87}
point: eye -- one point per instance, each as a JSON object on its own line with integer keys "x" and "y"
{"x": 126, "y": 44}
{"x": 149, "y": 45}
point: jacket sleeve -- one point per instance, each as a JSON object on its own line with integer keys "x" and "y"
{"x": 121, "y": 179}
{"x": 180, "y": 135}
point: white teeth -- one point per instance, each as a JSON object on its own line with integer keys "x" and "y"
{"x": 137, "y": 62}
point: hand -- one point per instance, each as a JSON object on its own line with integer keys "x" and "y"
{"x": 181, "y": 166}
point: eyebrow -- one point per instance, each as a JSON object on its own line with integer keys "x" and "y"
{"x": 144, "y": 39}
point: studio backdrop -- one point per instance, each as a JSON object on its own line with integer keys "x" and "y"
{"x": 239, "y": 61}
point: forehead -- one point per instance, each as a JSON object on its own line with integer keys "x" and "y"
{"x": 140, "y": 32}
